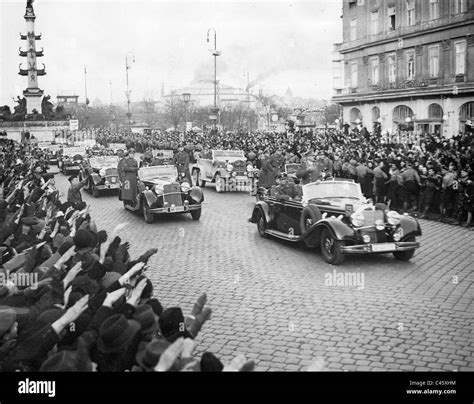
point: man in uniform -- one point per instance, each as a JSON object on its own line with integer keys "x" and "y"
{"x": 181, "y": 161}
{"x": 286, "y": 189}
{"x": 309, "y": 170}
{"x": 129, "y": 183}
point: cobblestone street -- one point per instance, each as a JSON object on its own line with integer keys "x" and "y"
{"x": 270, "y": 300}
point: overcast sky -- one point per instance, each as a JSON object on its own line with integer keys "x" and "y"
{"x": 287, "y": 44}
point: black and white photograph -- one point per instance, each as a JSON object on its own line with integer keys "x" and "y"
{"x": 237, "y": 186}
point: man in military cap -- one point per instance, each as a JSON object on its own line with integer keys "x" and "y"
{"x": 129, "y": 188}
{"x": 181, "y": 161}
{"x": 309, "y": 171}
{"x": 286, "y": 189}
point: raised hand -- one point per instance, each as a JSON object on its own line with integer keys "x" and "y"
{"x": 137, "y": 293}
{"x": 71, "y": 275}
{"x": 168, "y": 358}
{"x": 113, "y": 297}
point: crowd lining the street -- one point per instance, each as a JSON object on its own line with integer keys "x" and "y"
{"x": 71, "y": 296}
{"x": 424, "y": 174}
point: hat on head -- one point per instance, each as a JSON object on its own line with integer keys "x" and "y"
{"x": 116, "y": 332}
{"x": 69, "y": 360}
{"x": 109, "y": 278}
{"x": 30, "y": 221}
{"x": 210, "y": 363}
{"x": 146, "y": 317}
{"x": 148, "y": 357}
{"x": 85, "y": 285}
{"x": 85, "y": 239}
{"x": 171, "y": 324}
{"x": 7, "y": 319}
{"x": 65, "y": 206}
{"x": 155, "y": 306}
{"x": 50, "y": 316}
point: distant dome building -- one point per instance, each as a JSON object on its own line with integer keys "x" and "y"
{"x": 202, "y": 93}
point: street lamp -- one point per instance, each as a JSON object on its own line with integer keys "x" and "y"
{"x": 215, "y": 53}
{"x": 186, "y": 99}
{"x": 128, "y": 66}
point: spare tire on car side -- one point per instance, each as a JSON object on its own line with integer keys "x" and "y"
{"x": 309, "y": 216}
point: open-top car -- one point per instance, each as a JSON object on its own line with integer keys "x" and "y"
{"x": 104, "y": 174}
{"x": 115, "y": 147}
{"x": 227, "y": 169}
{"x": 160, "y": 192}
{"x": 71, "y": 159}
{"x": 335, "y": 216}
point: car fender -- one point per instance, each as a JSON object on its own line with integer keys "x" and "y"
{"x": 196, "y": 194}
{"x": 222, "y": 172}
{"x": 150, "y": 197}
{"x": 410, "y": 227}
{"x": 96, "y": 178}
{"x": 339, "y": 230}
{"x": 264, "y": 209}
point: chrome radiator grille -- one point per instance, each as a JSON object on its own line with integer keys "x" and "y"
{"x": 172, "y": 194}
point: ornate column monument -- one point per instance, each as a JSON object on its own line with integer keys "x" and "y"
{"x": 32, "y": 94}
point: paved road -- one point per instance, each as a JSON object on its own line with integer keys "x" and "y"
{"x": 272, "y": 302}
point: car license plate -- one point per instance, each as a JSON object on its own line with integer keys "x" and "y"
{"x": 73, "y": 168}
{"x": 383, "y": 247}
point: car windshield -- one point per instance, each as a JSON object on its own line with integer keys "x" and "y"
{"x": 155, "y": 172}
{"x": 104, "y": 162}
{"x": 327, "y": 190}
{"x": 228, "y": 155}
{"x": 72, "y": 151}
{"x": 163, "y": 154}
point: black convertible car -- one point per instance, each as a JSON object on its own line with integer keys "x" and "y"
{"x": 335, "y": 216}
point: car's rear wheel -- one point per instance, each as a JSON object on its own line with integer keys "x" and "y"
{"x": 331, "y": 248}
{"x": 147, "y": 215}
{"x": 196, "y": 214}
{"x": 261, "y": 224}
{"x": 405, "y": 255}
{"x": 219, "y": 183}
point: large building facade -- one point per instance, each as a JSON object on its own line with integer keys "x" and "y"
{"x": 406, "y": 65}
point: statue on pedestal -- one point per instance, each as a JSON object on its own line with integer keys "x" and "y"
{"x": 47, "y": 107}
{"x": 5, "y": 113}
{"x": 20, "y": 109}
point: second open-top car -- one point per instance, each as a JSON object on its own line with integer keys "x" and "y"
{"x": 161, "y": 192}
{"x": 104, "y": 174}
{"x": 227, "y": 169}
{"x": 335, "y": 216}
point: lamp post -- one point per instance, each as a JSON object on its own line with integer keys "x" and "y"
{"x": 186, "y": 99}
{"x": 87, "y": 99}
{"x": 215, "y": 53}
{"x": 128, "y": 66}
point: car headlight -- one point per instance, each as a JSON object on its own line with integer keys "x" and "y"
{"x": 102, "y": 173}
{"x": 366, "y": 238}
{"x": 397, "y": 236}
{"x": 379, "y": 224}
{"x": 250, "y": 168}
{"x": 229, "y": 167}
{"x": 393, "y": 217}
{"x": 159, "y": 189}
{"x": 185, "y": 187}
{"x": 234, "y": 174}
{"x": 357, "y": 219}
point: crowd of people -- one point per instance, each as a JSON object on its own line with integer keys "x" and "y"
{"x": 426, "y": 174}
{"x": 71, "y": 296}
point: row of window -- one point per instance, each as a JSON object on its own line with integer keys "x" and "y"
{"x": 410, "y": 64}
{"x": 459, "y": 6}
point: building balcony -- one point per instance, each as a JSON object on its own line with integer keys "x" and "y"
{"x": 403, "y": 89}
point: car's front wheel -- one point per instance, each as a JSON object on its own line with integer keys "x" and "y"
{"x": 261, "y": 225}
{"x": 331, "y": 248}
{"x": 147, "y": 215}
{"x": 196, "y": 177}
{"x": 220, "y": 185}
{"x": 405, "y": 255}
{"x": 196, "y": 214}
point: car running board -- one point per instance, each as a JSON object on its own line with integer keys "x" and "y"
{"x": 284, "y": 236}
